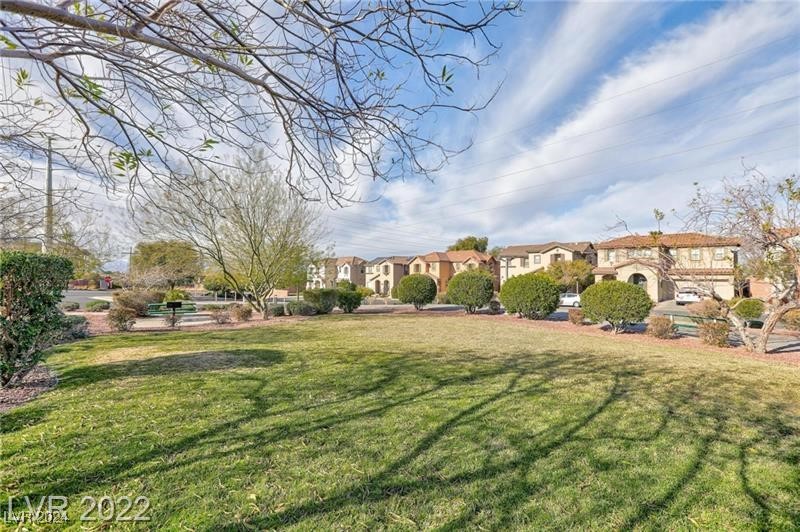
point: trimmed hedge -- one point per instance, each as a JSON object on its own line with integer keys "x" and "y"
{"x": 747, "y": 309}
{"x": 532, "y": 295}
{"x": 322, "y": 299}
{"x": 97, "y": 306}
{"x": 471, "y": 289}
{"x": 176, "y": 295}
{"x": 278, "y": 310}
{"x": 348, "y": 300}
{"x": 616, "y": 302}
{"x": 417, "y": 289}
{"x": 300, "y": 308}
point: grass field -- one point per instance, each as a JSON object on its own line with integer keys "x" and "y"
{"x": 412, "y": 422}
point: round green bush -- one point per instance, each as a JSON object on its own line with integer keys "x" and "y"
{"x": 365, "y": 292}
{"x": 97, "y": 306}
{"x": 532, "y": 295}
{"x": 348, "y": 300}
{"x": 176, "y": 295}
{"x": 121, "y": 318}
{"x": 471, "y": 289}
{"x": 616, "y": 302}
{"x": 70, "y": 306}
{"x": 747, "y": 309}
{"x": 300, "y": 308}
{"x": 417, "y": 289}
{"x": 322, "y": 299}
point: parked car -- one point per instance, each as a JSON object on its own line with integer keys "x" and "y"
{"x": 686, "y": 296}
{"x": 569, "y": 299}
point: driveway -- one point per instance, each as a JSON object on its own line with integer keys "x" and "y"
{"x": 84, "y": 296}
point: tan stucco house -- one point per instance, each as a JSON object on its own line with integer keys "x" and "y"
{"x": 528, "y": 258}
{"x": 383, "y": 273}
{"x": 351, "y": 269}
{"x": 660, "y": 263}
{"x": 443, "y": 265}
{"x": 322, "y": 274}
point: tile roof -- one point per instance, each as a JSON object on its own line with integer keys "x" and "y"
{"x": 395, "y": 259}
{"x": 523, "y": 249}
{"x": 670, "y": 240}
{"x": 456, "y": 256}
{"x": 349, "y": 260}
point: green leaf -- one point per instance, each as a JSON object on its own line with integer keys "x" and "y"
{"x": 11, "y": 45}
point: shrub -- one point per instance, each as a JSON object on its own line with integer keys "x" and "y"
{"x": 97, "y": 306}
{"x": 442, "y": 299}
{"x": 471, "y": 289}
{"x": 70, "y": 306}
{"x": 792, "y": 319}
{"x": 707, "y": 308}
{"x": 575, "y": 316}
{"x": 714, "y": 333}
{"x": 176, "y": 294}
{"x": 278, "y": 310}
{"x": 242, "y": 312}
{"x": 348, "y": 300}
{"x": 30, "y": 290}
{"x": 137, "y": 300}
{"x": 73, "y": 328}
{"x": 747, "y": 309}
{"x": 171, "y": 320}
{"x": 417, "y": 289}
{"x": 121, "y": 318}
{"x": 532, "y": 295}
{"x": 494, "y": 307}
{"x": 616, "y": 302}
{"x": 661, "y": 327}
{"x": 346, "y": 285}
{"x": 393, "y": 293}
{"x": 300, "y": 308}
{"x": 322, "y": 299}
{"x": 365, "y": 292}
{"x": 219, "y": 313}
{"x": 215, "y": 282}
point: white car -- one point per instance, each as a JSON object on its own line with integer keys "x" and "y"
{"x": 686, "y": 296}
{"x": 569, "y": 299}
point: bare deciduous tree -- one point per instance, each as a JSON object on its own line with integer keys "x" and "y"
{"x": 246, "y": 222}
{"x": 766, "y": 215}
{"x": 153, "y": 86}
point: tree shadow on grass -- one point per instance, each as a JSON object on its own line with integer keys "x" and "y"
{"x": 171, "y": 364}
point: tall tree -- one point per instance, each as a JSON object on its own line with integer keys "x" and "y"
{"x": 165, "y": 263}
{"x": 471, "y": 242}
{"x": 571, "y": 275}
{"x": 135, "y": 90}
{"x": 253, "y": 228}
{"x": 765, "y": 214}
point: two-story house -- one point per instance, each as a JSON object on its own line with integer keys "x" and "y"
{"x": 443, "y": 265}
{"x": 661, "y": 263}
{"x": 383, "y": 273}
{"x": 322, "y": 274}
{"x": 528, "y": 258}
{"x": 351, "y": 269}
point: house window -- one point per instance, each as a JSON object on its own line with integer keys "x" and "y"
{"x": 433, "y": 267}
{"x": 719, "y": 254}
{"x": 633, "y": 253}
{"x": 417, "y": 268}
{"x": 694, "y": 254}
{"x": 673, "y": 253}
{"x": 537, "y": 259}
{"x": 346, "y": 271}
{"x": 385, "y": 269}
{"x": 647, "y": 252}
{"x": 524, "y": 263}
{"x": 611, "y": 255}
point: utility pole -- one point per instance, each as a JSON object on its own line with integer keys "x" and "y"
{"x": 48, "y": 215}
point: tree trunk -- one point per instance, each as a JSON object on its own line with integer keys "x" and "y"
{"x": 771, "y": 322}
{"x": 741, "y": 329}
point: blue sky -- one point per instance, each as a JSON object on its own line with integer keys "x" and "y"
{"x": 606, "y": 112}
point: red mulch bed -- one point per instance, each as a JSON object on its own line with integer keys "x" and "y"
{"x": 36, "y": 382}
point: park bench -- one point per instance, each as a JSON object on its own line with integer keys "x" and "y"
{"x": 169, "y": 308}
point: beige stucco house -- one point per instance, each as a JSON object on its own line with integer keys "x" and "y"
{"x": 351, "y": 269}
{"x": 443, "y": 265}
{"x": 528, "y": 258}
{"x": 383, "y": 273}
{"x": 322, "y": 274}
{"x": 662, "y": 263}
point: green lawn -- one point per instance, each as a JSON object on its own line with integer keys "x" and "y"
{"x": 412, "y": 422}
